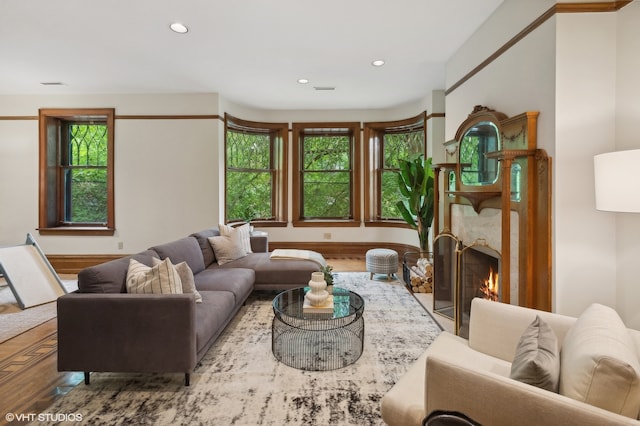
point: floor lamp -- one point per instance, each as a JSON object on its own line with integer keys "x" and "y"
{"x": 617, "y": 181}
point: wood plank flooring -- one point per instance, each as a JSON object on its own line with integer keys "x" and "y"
{"x": 29, "y": 379}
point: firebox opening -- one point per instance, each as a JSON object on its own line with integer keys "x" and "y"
{"x": 479, "y": 277}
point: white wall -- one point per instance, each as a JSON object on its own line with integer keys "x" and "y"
{"x": 585, "y": 125}
{"x": 165, "y": 171}
{"x": 522, "y": 79}
{"x": 627, "y": 122}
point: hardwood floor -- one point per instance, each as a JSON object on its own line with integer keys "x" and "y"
{"x": 29, "y": 379}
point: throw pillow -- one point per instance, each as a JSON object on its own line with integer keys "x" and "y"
{"x": 600, "y": 363}
{"x": 186, "y": 278}
{"x": 227, "y": 247}
{"x": 245, "y": 234}
{"x": 158, "y": 279}
{"x": 537, "y": 359}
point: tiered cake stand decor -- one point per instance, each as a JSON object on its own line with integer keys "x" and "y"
{"x": 318, "y": 300}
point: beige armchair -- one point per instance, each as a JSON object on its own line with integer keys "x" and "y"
{"x": 473, "y": 377}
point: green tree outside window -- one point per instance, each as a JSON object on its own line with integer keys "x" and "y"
{"x": 85, "y": 174}
{"x": 326, "y": 176}
{"x": 396, "y": 147}
{"x": 249, "y": 176}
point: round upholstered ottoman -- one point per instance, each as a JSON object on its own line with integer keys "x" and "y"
{"x": 382, "y": 261}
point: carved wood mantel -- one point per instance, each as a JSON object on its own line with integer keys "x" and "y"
{"x": 529, "y": 195}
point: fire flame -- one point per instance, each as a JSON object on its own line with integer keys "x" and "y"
{"x": 490, "y": 287}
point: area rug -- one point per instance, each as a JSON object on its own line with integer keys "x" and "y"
{"x": 15, "y": 321}
{"x": 239, "y": 382}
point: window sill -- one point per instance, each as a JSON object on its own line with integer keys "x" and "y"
{"x": 268, "y": 224}
{"x": 78, "y": 230}
{"x": 326, "y": 223}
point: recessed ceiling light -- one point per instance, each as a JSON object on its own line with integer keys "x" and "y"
{"x": 303, "y": 81}
{"x": 178, "y": 28}
{"x": 378, "y": 63}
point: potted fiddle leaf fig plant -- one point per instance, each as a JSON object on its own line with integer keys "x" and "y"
{"x": 415, "y": 181}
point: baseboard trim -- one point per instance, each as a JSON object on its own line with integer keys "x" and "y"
{"x": 73, "y": 263}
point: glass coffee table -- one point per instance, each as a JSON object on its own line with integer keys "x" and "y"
{"x": 317, "y": 341}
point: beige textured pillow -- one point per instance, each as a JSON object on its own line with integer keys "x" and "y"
{"x": 243, "y": 230}
{"x": 537, "y": 359}
{"x": 599, "y": 362}
{"x": 186, "y": 278}
{"x": 159, "y": 279}
{"x": 227, "y": 247}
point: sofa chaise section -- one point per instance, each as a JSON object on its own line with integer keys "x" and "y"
{"x": 270, "y": 274}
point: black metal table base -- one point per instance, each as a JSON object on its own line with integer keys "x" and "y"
{"x": 317, "y": 342}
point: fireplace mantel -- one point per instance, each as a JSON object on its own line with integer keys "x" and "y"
{"x": 476, "y": 198}
{"x": 511, "y": 174}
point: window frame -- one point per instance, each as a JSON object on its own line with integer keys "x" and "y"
{"x": 299, "y": 130}
{"x": 374, "y": 133}
{"x": 51, "y": 206}
{"x": 279, "y": 138}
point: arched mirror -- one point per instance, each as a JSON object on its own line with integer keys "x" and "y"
{"x": 477, "y": 168}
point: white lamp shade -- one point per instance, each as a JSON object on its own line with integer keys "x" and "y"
{"x": 617, "y": 181}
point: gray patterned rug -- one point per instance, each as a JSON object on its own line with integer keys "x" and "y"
{"x": 239, "y": 382}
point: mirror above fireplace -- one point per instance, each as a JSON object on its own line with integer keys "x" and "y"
{"x": 478, "y": 166}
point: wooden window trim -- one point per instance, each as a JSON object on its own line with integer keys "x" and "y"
{"x": 279, "y": 152}
{"x": 47, "y": 226}
{"x": 298, "y": 130}
{"x": 373, "y": 135}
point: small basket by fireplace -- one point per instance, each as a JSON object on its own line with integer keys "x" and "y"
{"x": 417, "y": 271}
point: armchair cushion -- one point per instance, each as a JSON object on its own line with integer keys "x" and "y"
{"x": 599, "y": 362}
{"x": 537, "y": 359}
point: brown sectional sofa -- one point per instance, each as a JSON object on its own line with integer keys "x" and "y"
{"x": 102, "y": 328}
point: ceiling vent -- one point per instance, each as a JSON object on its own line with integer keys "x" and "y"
{"x": 324, "y": 88}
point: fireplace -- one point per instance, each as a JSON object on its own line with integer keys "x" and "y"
{"x": 462, "y": 273}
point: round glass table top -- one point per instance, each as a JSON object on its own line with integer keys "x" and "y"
{"x": 290, "y": 303}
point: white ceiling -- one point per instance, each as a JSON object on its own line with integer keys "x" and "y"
{"x": 249, "y": 51}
